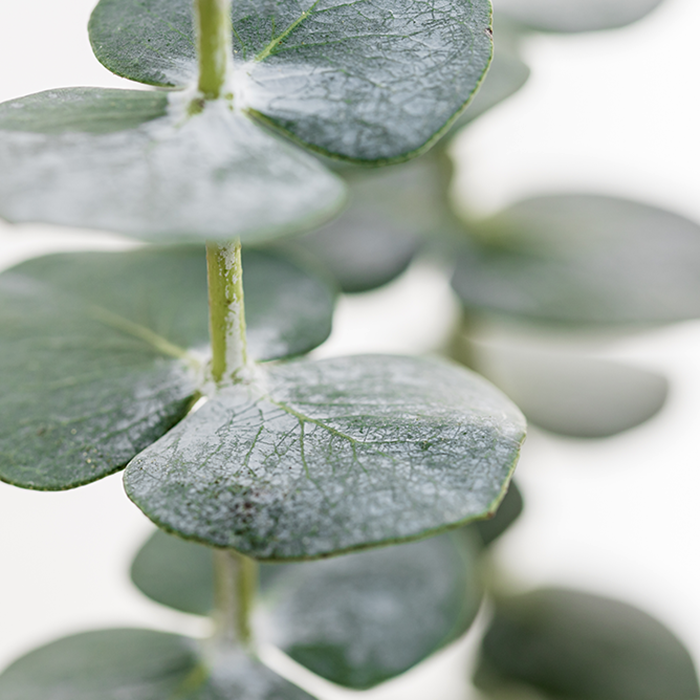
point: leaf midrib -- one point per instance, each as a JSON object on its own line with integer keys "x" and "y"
{"x": 136, "y": 330}
{"x": 281, "y": 37}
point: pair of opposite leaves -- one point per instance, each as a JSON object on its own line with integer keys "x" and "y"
{"x": 329, "y": 456}
{"x": 372, "y": 82}
{"x": 356, "y": 620}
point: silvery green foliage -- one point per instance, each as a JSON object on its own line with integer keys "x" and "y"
{"x": 574, "y": 15}
{"x": 362, "y": 80}
{"x": 137, "y": 163}
{"x": 140, "y": 665}
{"x": 312, "y": 458}
{"x": 102, "y": 353}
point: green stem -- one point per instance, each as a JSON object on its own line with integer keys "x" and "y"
{"x": 226, "y": 311}
{"x": 214, "y": 45}
{"x": 236, "y": 582}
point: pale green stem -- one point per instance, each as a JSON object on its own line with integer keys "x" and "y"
{"x": 213, "y": 45}
{"x": 226, "y": 311}
{"x": 236, "y": 582}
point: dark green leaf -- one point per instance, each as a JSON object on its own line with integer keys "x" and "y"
{"x": 364, "y": 80}
{"x": 582, "y": 259}
{"x": 176, "y": 573}
{"x": 317, "y": 458}
{"x": 363, "y": 618}
{"x": 574, "y": 15}
{"x": 107, "y": 159}
{"x": 508, "y": 512}
{"x": 374, "y": 240}
{"x": 180, "y": 574}
{"x": 134, "y": 664}
{"x": 355, "y": 620}
{"x": 101, "y": 353}
{"x": 578, "y": 646}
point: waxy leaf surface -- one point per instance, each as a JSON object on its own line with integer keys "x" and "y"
{"x": 574, "y": 15}
{"x": 110, "y": 160}
{"x": 356, "y": 620}
{"x": 102, "y": 353}
{"x": 319, "y": 457}
{"x": 568, "y": 644}
{"x": 363, "y": 80}
{"x": 136, "y": 664}
{"x": 582, "y": 259}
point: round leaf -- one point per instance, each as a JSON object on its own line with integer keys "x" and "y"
{"x": 579, "y": 646}
{"x": 367, "y": 81}
{"x": 377, "y": 236}
{"x": 180, "y": 574}
{"x": 176, "y": 573}
{"x": 363, "y": 618}
{"x": 316, "y": 458}
{"x": 574, "y": 15}
{"x": 356, "y": 620}
{"x": 102, "y": 353}
{"x": 139, "y": 665}
{"x": 575, "y": 395}
{"x": 108, "y": 160}
{"x": 506, "y": 75}
{"x": 582, "y": 259}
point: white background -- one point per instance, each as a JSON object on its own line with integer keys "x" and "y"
{"x": 614, "y": 112}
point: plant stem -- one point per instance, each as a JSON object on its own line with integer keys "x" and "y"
{"x": 214, "y": 45}
{"x": 226, "y": 311}
{"x": 235, "y": 581}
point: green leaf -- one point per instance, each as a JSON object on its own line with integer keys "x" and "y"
{"x": 363, "y": 80}
{"x": 580, "y": 646}
{"x": 582, "y": 259}
{"x": 82, "y": 110}
{"x": 356, "y": 620}
{"x": 319, "y": 457}
{"x": 506, "y": 75}
{"x": 374, "y": 240}
{"x": 176, "y": 573}
{"x": 139, "y": 665}
{"x": 574, "y": 15}
{"x": 363, "y": 618}
{"x": 572, "y": 393}
{"x": 508, "y": 512}
{"x": 109, "y": 160}
{"x": 102, "y": 353}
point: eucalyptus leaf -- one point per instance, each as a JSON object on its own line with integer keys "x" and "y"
{"x": 176, "y": 572}
{"x": 102, "y": 353}
{"x": 362, "y": 80}
{"x": 180, "y": 573}
{"x": 314, "y": 458}
{"x": 506, "y": 75}
{"x": 572, "y": 393}
{"x": 137, "y": 664}
{"x": 582, "y": 259}
{"x": 363, "y": 618}
{"x": 568, "y": 644}
{"x": 110, "y": 160}
{"x": 356, "y": 620}
{"x": 508, "y": 512}
{"x": 574, "y": 15}
{"x": 391, "y": 211}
